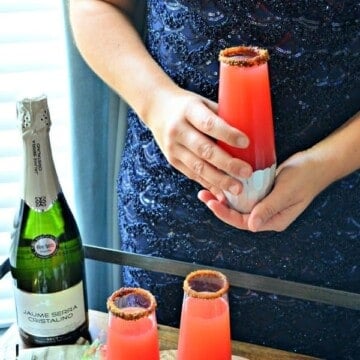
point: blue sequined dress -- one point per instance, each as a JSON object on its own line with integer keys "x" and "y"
{"x": 314, "y": 69}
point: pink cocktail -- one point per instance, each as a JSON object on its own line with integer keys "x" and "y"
{"x": 132, "y": 330}
{"x": 245, "y": 103}
{"x": 205, "y": 320}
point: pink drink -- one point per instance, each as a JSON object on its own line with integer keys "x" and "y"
{"x": 205, "y": 319}
{"x": 245, "y": 103}
{"x": 206, "y": 330}
{"x": 132, "y": 330}
{"x": 132, "y": 339}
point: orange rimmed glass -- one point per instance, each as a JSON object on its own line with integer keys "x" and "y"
{"x": 245, "y": 103}
{"x": 132, "y": 329}
{"x": 205, "y": 318}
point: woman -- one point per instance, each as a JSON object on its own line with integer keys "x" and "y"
{"x": 308, "y": 228}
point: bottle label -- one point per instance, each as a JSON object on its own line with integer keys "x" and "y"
{"x": 52, "y": 314}
{"x": 41, "y": 182}
{"x": 44, "y": 246}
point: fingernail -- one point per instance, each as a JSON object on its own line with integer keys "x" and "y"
{"x": 243, "y": 142}
{"x": 235, "y": 189}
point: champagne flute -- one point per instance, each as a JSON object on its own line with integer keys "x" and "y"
{"x": 245, "y": 103}
{"x": 205, "y": 320}
{"x": 132, "y": 329}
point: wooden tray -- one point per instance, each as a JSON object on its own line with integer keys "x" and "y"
{"x": 76, "y": 352}
{"x": 171, "y": 355}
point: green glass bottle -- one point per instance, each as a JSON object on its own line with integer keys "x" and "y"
{"x": 46, "y": 256}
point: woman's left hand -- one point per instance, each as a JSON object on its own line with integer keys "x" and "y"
{"x": 297, "y": 182}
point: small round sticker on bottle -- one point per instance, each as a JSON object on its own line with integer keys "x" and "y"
{"x": 44, "y": 246}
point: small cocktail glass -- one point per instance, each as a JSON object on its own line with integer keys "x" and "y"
{"x": 245, "y": 103}
{"x": 132, "y": 328}
{"x": 205, "y": 320}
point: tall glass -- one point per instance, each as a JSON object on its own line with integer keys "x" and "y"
{"x": 132, "y": 330}
{"x": 205, "y": 320}
{"x": 245, "y": 103}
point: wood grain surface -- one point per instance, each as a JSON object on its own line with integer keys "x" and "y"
{"x": 171, "y": 355}
{"x": 168, "y": 342}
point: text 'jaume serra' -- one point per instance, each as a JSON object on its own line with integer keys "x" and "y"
{"x": 53, "y": 317}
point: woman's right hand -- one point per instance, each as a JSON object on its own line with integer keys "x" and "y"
{"x": 186, "y": 126}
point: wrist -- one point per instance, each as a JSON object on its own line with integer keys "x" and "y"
{"x": 321, "y": 167}
{"x": 156, "y": 103}
{"x": 154, "y": 98}
{"x": 338, "y": 155}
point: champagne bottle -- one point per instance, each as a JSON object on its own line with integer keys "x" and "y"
{"x": 46, "y": 256}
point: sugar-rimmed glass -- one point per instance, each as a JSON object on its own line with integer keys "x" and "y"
{"x": 205, "y": 318}
{"x": 245, "y": 103}
{"x": 132, "y": 328}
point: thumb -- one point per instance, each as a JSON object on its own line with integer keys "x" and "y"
{"x": 262, "y": 213}
{"x": 274, "y": 212}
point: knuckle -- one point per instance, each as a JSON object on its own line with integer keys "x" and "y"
{"x": 191, "y": 108}
{"x": 232, "y": 166}
{"x": 206, "y": 150}
{"x": 270, "y": 212}
{"x": 172, "y": 130}
{"x": 226, "y": 182}
{"x": 198, "y": 167}
{"x": 193, "y": 176}
{"x": 204, "y": 117}
{"x": 208, "y": 122}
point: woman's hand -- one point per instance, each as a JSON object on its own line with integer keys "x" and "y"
{"x": 296, "y": 184}
{"x": 185, "y": 126}
{"x": 183, "y": 123}
{"x": 298, "y": 180}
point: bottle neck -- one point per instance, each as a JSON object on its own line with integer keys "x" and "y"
{"x": 41, "y": 184}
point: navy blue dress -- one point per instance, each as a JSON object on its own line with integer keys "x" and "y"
{"x": 314, "y": 68}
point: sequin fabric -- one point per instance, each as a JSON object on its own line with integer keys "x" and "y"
{"x": 314, "y": 69}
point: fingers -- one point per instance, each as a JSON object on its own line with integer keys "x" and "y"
{"x": 275, "y": 212}
{"x": 205, "y": 120}
{"x": 204, "y": 124}
{"x": 214, "y": 194}
{"x": 207, "y": 150}
{"x": 186, "y": 139}
{"x": 201, "y": 171}
{"x": 222, "y": 211}
{"x": 262, "y": 218}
